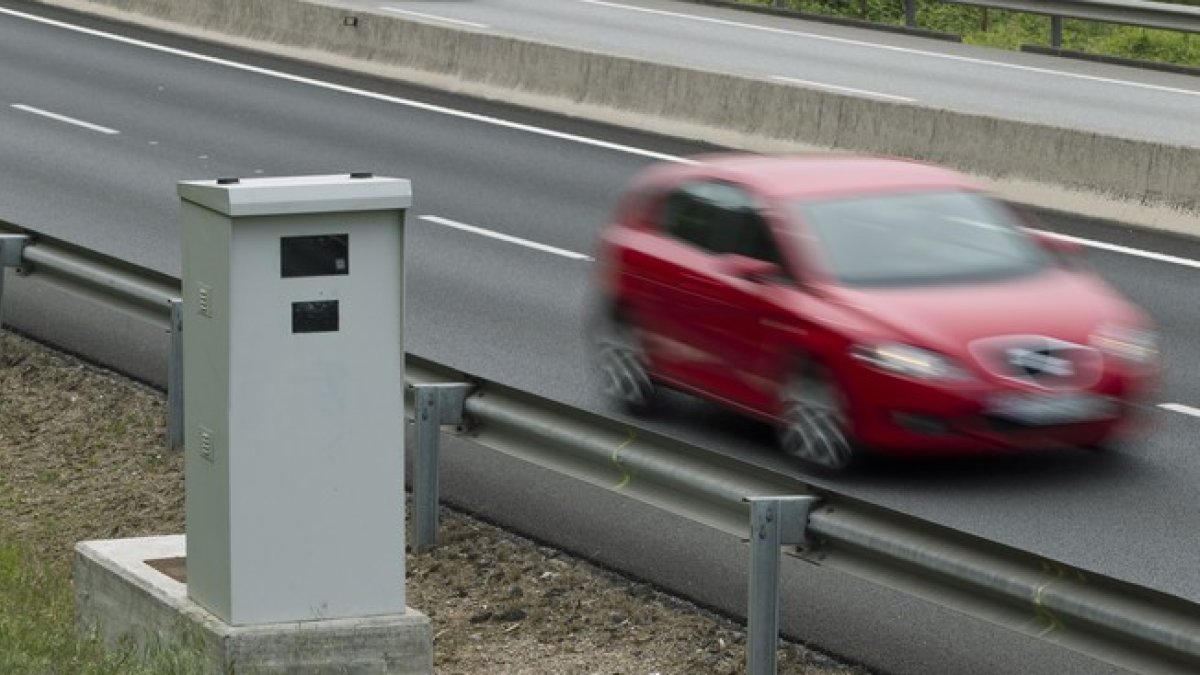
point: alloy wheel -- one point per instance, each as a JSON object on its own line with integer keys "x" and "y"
{"x": 813, "y": 421}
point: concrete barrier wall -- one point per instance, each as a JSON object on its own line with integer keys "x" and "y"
{"x": 1142, "y": 172}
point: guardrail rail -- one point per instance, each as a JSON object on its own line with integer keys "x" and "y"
{"x": 1139, "y": 13}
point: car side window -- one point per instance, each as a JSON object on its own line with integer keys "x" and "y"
{"x": 690, "y": 217}
{"x": 747, "y": 234}
{"x": 719, "y": 218}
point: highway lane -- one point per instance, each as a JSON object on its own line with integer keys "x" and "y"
{"x": 1108, "y": 99}
{"x": 494, "y": 307}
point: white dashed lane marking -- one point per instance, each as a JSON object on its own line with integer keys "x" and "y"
{"x": 64, "y": 119}
{"x": 844, "y": 90}
{"x": 432, "y": 17}
{"x": 1181, "y": 408}
{"x": 545, "y": 248}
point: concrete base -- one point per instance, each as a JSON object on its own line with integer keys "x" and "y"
{"x": 121, "y": 594}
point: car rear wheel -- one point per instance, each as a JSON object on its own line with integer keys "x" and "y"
{"x": 813, "y": 422}
{"x": 621, "y": 361}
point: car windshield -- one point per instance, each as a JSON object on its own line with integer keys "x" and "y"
{"x": 921, "y": 238}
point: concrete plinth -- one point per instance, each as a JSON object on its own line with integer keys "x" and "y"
{"x": 134, "y": 589}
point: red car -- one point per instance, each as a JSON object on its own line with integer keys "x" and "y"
{"x": 862, "y": 303}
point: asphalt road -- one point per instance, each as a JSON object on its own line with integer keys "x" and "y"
{"x": 1108, "y": 99}
{"x": 128, "y": 121}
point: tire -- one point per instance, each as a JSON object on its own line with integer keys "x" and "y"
{"x": 813, "y": 424}
{"x": 621, "y": 363}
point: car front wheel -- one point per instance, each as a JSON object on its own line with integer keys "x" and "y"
{"x": 813, "y": 421}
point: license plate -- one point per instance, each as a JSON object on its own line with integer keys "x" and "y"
{"x": 1045, "y": 409}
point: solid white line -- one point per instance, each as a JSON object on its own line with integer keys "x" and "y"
{"x": 1116, "y": 248}
{"x": 892, "y": 48}
{"x": 417, "y": 105}
{"x": 64, "y": 118}
{"x": 433, "y": 17}
{"x": 1180, "y": 408}
{"x": 848, "y": 90}
{"x": 437, "y": 220}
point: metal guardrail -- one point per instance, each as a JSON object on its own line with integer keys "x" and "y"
{"x": 1105, "y": 618}
{"x": 1140, "y": 13}
{"x": 112, "y": 282}
{"x": 1163, "y": 15}
{"x": 104, "y": 279}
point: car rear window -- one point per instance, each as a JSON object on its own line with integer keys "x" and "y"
{"x": 921, "y": 238}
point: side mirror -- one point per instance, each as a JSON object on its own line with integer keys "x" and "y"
{"x": 749, "y": 269}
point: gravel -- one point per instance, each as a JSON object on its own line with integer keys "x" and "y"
{"x": 82, "y": 457}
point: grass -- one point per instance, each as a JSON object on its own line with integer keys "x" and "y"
{"x": 1010, "y": 30}
{"x": 37, "y": 630}
{"x": 60, "y": 484}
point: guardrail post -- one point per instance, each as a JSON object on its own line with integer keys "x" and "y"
{"x": 175, "y": 377}
{"x": 12, "y": 248}
{"x": 1056, "y": 30}
{"x": 433, "y": 406}
{"x": 774, "y": 522}
{"x": 910, "y": 13}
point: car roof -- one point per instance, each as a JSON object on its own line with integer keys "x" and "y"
{"x": 818, "y": 176}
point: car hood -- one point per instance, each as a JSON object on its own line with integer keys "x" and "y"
{"x": 1055, "y": 303}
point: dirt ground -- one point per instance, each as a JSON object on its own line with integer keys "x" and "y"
{"x": 82, "y": 456}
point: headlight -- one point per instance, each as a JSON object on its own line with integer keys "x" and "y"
{"x": 909, "y": 361}
{"x": 1135, "y": 345}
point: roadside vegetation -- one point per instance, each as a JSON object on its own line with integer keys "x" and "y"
{"x": 1010, "y": 30}
{"x": 73, "y": 465}
{"x": 37, "y": 634}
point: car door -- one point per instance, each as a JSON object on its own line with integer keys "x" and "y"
{"x": 751, "y": 325}
{"x": 709, "y": 324}
{"x": 676, "y": 270}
